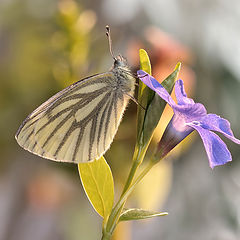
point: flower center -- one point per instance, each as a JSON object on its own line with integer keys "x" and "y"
{"x": 196, "y": 123}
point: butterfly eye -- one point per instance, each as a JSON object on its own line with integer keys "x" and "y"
{"x": 117, "y": 62}
{"x": 120, "y": 61}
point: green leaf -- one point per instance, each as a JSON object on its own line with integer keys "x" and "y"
{"x": 149, "y": 117}
{"x": 98, "y": 184}
{"x": 145, "y": 94}
{"x": 138, "y": 214}
{"x": 145, "y": 61}
{"x": 156, "y": 107}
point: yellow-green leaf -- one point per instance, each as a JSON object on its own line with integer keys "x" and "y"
{"x": 145, "y": 62}
{"x": 98, "y": 184}
{"x": 149, "y": 117}
{"x": 156, "y": 107}
{"x": 138, "y": 214}
{"x": 145, "y": 94}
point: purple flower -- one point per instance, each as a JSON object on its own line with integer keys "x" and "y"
{"x": 189, "y": 116}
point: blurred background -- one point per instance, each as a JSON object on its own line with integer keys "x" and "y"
{"x": 47, "y": 45}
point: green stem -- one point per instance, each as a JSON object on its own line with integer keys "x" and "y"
{"x": 115, "y": 214}
{"x": 138, "y": 156}
{"x": 106, "y": 236}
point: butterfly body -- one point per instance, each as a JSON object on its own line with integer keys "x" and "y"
{"x": 79, "y": 123}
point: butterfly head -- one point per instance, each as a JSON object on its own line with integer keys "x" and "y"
{"x": 120, "y": 61}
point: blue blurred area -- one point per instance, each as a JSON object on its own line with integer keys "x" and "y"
{"x": 47, "y": 45}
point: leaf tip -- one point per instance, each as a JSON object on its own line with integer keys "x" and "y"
{"x": 145, "y": 61}
{"x": 142, "y": 51}
{"x": 178, "y": 66}
{"x": 164, "y": 213}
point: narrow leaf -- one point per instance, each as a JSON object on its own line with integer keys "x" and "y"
{"x": 138, "y": 214}
{"x": 145, "y": 62}
{"x": 148, "y": 119}
{"x": 156, "y": 107}
{"x": 98, "y": 184}
{"x": 145, "y": 94}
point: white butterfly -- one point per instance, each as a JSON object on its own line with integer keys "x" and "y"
{"x": 79, "y": 123}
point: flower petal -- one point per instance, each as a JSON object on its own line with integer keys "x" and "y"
{"x": 152, "y": 83}
{"x": 181, "y": 94}
{"x": 216, "y": 123}
{"x": 174, "y": 133}
{"x": 191, "y": 112}
{"x": 217, "y": 151}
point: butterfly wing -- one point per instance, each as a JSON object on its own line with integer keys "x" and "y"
{"x": 77, "y": 124}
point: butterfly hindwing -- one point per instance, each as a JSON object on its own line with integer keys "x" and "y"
{"x": 77, "y": 124}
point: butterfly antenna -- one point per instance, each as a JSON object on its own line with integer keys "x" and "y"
{"x": 110, "y": 41}
{"x": 135, "y": 100}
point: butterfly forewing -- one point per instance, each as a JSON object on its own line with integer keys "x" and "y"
{"x": 77, "y": 124}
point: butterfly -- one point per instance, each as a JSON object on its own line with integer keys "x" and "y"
{"x": 78, "y": 124}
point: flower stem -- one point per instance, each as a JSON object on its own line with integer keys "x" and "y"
{"x": 138, "y": 156}
{"x": 115, "y": 214}
{"x": 106, "y": 236}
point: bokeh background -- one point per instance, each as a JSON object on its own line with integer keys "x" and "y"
{"x": 47, "y": 45}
